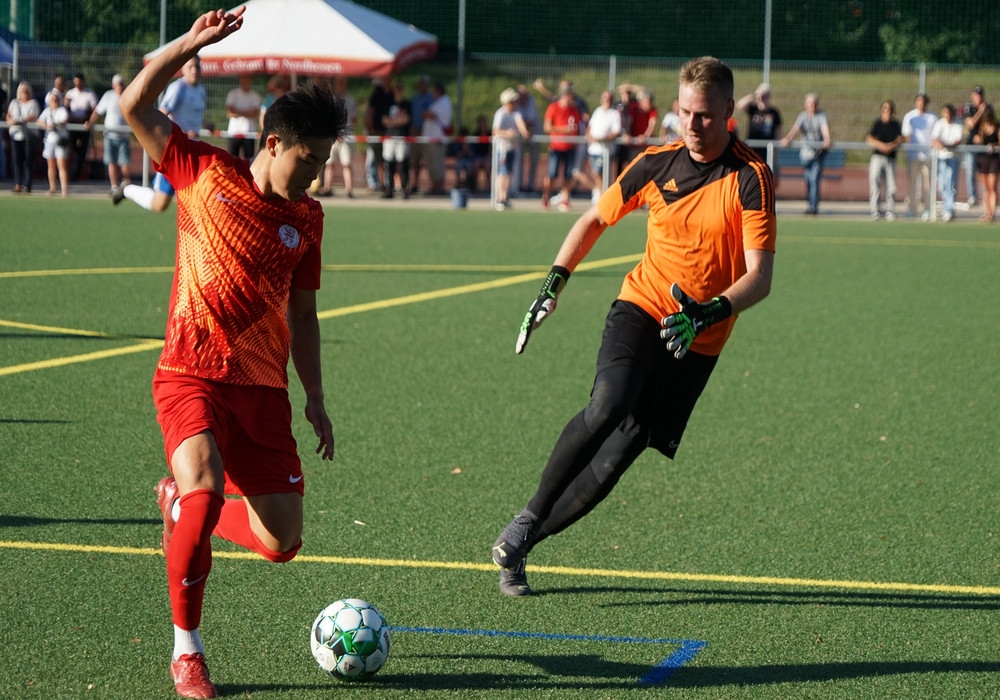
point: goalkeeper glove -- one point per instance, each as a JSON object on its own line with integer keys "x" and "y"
{"x": 680, "y": 329}
{"x": 544, "y": 305}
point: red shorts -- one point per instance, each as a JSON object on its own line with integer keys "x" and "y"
{"x": 252, "y": 426}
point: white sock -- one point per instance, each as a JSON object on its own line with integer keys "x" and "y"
{"x": 175, "y": 510}
{"x": 143, "y": 196}
{"x": 187, "y": 642}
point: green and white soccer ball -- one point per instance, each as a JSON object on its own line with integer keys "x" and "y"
{"x": 350, "y": 639}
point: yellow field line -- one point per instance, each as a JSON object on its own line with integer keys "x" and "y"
{"x": 467, "y": 289}
{"x": 889, "y": 242}
{"x": 14, "y": 274}
{"x": 780, "y": 581}
{"x": 86, "y": 357}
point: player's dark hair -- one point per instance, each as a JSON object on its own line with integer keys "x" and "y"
{"x": 708, "y": 73}
{"x": 309, "y": 112}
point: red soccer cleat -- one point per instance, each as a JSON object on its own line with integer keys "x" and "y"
{"x": 190, "y": 675}
{"x": 166, "y": 494}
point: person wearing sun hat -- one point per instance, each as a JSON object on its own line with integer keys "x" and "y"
{"x": 509, "y": 129}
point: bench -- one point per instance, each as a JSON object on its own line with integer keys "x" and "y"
{"x": 788, "y": 159}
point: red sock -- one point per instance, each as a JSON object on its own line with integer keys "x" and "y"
{"x": 234, "y": 525}
{"x": 189, "y": 557}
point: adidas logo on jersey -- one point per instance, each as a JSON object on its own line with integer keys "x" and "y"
{"x": 671, "y": 185}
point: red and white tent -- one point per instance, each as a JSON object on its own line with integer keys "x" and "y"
{"x": 316, "y": 37}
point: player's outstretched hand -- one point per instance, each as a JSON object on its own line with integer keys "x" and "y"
{"x": 680, "y": 329}
{"x": 544, "y": 305}
{"x": 216, "y": 25}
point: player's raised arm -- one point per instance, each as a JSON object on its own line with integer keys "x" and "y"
{"x": 151, "y": 127}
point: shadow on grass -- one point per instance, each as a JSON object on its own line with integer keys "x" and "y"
{"x": 714, "y": 676}
{"x": 33, "y": 521}
{"x": 681, "y": 596}
{"x": 35, "y": 421}
{"x": 589, "y": 672}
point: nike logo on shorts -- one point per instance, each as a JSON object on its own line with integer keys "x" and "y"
{"x": 294, "y": 479}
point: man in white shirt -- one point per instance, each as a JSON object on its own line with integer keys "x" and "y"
{"x": 603, "y": 130}
{"x": 242, "y": 108}
{"x": 80, "y": 100}
{"x": 117, "y": 148}
{"x": 946, "y": 134}
{"x": 437, "y": 125}
{"x": 918, "y": 124}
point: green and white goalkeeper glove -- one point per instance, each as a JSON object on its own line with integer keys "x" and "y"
{"x": 544, "y": 305}
{"x": 680, "y": 329}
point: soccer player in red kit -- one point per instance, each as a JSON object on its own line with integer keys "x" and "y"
{"x": 710, "y": 243}
{"x": 243, "y": 301}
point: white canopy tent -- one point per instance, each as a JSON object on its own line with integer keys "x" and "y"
{"x": 316, "y": 37}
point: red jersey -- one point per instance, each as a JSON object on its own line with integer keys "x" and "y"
{"x": 702, "y": 218}
{"x": 560, "y": 117}
{"x": 238, "y": 255}
{"x": 641, "y": 119}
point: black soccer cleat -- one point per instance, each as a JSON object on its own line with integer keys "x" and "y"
{"x": 513, "y": 582}
{"x": 512, "y": 545}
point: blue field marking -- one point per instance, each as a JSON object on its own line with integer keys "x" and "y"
{"x": 687, "y": 648}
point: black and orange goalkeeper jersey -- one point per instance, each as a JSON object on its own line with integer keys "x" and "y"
{"x": 238, "y": 255}
{"x": 702, "y": 217}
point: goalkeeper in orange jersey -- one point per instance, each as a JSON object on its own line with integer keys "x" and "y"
{"x": 243, "y": 300}
{"x": 710, "y": 238}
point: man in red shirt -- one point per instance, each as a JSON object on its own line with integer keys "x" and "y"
{"x": 243, "y": 300}
{"x": 562, "y": 118}
{"x": 710, "y": 234}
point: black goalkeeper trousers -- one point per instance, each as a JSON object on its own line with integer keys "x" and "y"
{"x": 595, "y": 448}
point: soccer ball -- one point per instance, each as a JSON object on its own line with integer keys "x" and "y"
{"x": 350, "y": 639}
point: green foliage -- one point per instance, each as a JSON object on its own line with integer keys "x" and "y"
{"x": 956, "y": 31}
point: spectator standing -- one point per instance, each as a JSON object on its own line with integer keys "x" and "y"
{"x": 277, "y": 85}
{"x": 918, "y": 124}
{"x": 885, "y": 137}
{"x": 625, "y": 106}
{"x": 437, "y": 125}
{"x": 764, "y": 121}
{"x": 81, "y": 101}
{"x": 58, "y": 87}
{"x": 670, "y": 125}
{"x": 395, "y": 149}
{"x": 972, "y": 113}
{"x": 642, "y": 121}
{"x": 243, "y": 109}
{"x": 946, "y": 135}
{"x": 378, "y": 105}
{"x": 343, "y": 149}
{"x": 603, "y": 131}
{"x": 55, "y": 143}
{"x": 3, "y": 153}
{"x": 988, "y": 163}
{"x": 22, "y": 113}
{"x": 578, "y": 162}
{"x": 184, "y": 103}
{"x": 117, "y": 140}
{"x": 419, "y": 103}
{"x": 509, "y": 129}
{"x": 473, "y": 155}
{"x": 525, "y": 173}
{"x": 813, "y": 125}
{"x": 562, "y": 118}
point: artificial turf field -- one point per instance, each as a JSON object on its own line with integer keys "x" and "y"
{"x": 826, "y": 531}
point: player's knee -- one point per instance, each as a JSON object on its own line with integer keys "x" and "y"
{"x": 605, "y": 410}
{"x": 281, "y": 555}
